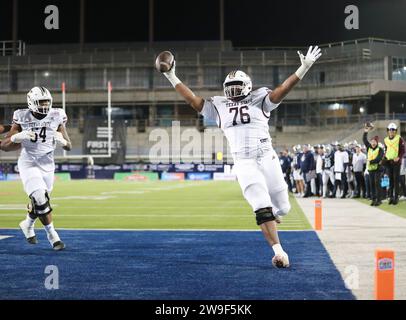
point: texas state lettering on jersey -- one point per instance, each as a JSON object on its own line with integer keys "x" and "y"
{"x": 245, "y": 122}
{"x": 44, "y": 129}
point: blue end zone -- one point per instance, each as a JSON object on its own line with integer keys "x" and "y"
{"x": 168, "y": 265}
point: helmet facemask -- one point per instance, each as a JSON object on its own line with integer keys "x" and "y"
{"x": 237, "y": 85}
{"x": 43, "y": 106}
{"x": 234, "y": 90}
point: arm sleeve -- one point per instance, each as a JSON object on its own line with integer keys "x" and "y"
{"x": 209, "y": 111}
{"x": 267, "y": 105}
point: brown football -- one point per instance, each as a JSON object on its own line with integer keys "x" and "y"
{"x": 164, "y": 61}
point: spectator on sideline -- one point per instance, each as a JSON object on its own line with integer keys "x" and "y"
{"x": 319, "y": 171}
{"x": 340, "y": 165}
{"x": 328, "y": 171}
{"x": 286, "y": 161}
{"x": 375, "y": 155}
{"x": 297, "y": 174}
{"x": 394, "y": 151}
{"x": 359, "y": 160}
{"x": 403, "y": 177}
{"x": 307, "y": 165}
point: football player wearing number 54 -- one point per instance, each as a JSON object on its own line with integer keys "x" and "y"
{"x": 37, "y": 130}
{"x": 243, "y": 115}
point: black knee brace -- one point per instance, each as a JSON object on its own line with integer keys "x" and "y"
{"x": 264, "y": 215}
{"x": 36, "y": 210}
{"x": 31, "y": 212}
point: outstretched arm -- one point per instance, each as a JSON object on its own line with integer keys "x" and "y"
{"x": 194, "y": 101}
{"x": 365, "y": 137}
{"x": 278, "y": 94}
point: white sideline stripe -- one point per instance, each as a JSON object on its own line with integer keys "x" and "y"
{"x": 142, "y": 230}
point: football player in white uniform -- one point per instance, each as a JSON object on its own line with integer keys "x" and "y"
{"x": 243, "y": 115}
{"x": 37, "y": 130}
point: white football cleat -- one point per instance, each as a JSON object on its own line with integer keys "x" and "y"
{"x": 29, "y": 232}
{"x": 55, "y": 241}
{"x": 281, "y": 260}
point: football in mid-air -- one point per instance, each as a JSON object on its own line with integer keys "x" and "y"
{"x": 164, "y": 61}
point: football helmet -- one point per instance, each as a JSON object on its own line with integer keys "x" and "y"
{"x": 39, "y": 100}
{"x": 237, "y": 85}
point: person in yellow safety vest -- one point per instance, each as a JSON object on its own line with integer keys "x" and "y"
{"x": 394, "y": 151}
{"x": 374, "y": 157}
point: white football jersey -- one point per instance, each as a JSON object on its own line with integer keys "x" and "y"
{"x": 340, "y": 157}
{"x": 42, "y": 147}
{"x": 244, "y": 123}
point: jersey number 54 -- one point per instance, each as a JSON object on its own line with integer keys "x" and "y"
{"x": 42, "y": 134}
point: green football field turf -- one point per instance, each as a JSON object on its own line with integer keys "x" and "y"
{"x": 143, "y": 205}
{"x": 399, "y": 209}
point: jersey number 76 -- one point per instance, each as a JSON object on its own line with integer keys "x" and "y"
{"x": 244, "y": 116}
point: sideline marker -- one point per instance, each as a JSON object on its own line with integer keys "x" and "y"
{"x": 317, "y": 215}
{"x": 384, "y": 274}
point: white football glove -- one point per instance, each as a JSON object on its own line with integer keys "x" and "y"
{"x": 60, "y": 140}
{"x": 307, "y": 61}
{"x": 23, "y": 135}
{"x": 171, "y": 76}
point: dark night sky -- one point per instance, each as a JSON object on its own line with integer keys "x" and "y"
{"x": 247, "y": 22}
